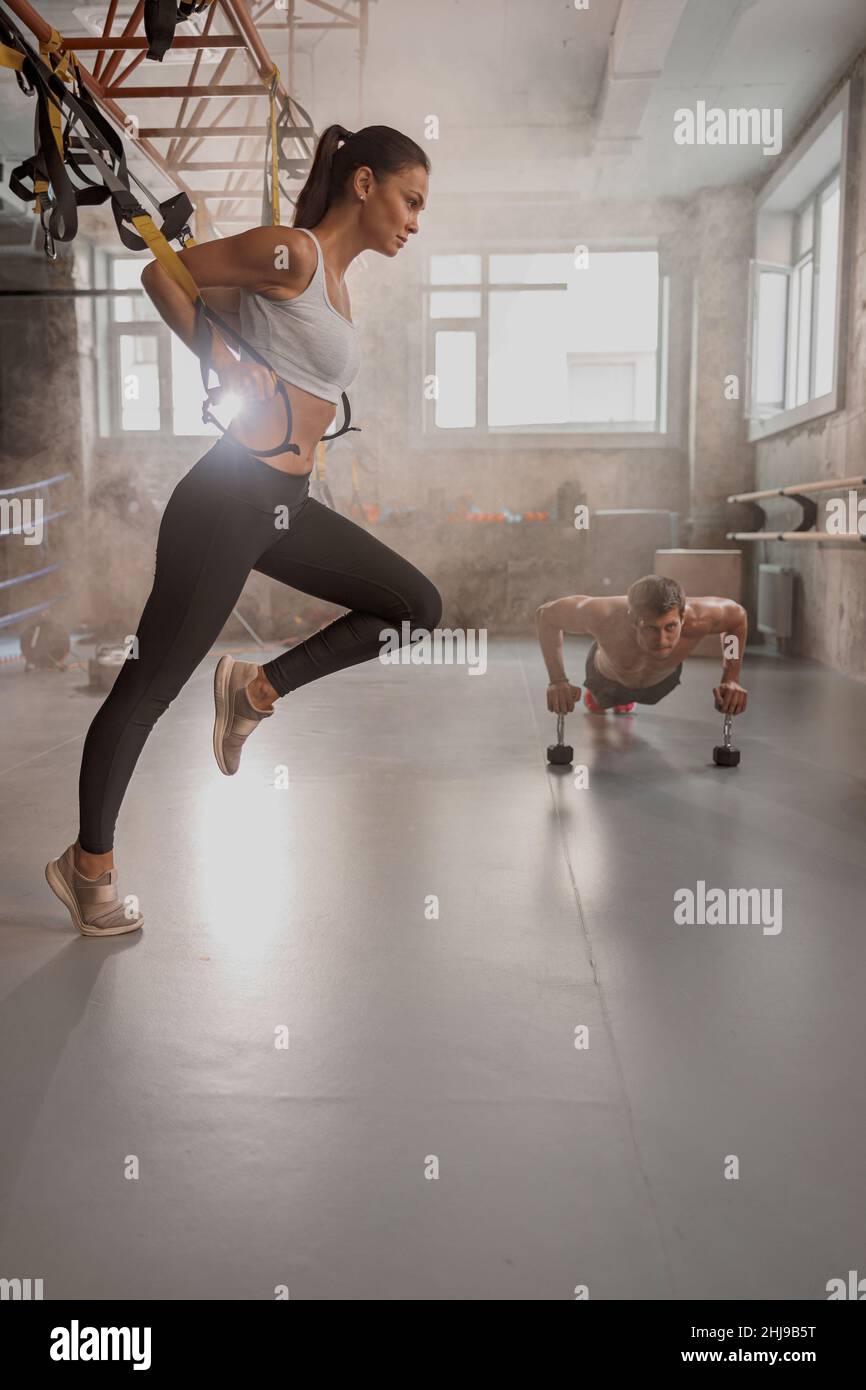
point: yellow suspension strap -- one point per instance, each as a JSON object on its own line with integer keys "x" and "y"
{"x": 44, "y": 75}
{"x": 51, "y": 45}
{"x": 11, "y": 58}
{"x": 273, "y": 83}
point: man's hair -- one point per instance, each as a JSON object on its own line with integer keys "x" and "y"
{"x": 655, "y": 595}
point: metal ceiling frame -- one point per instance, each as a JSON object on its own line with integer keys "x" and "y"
{"x": 187, "y": 135}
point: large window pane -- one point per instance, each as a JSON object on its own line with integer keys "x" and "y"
{"x": 455, "y": 304}
{"x": 532, "y": 268}
{"x": 602, "y": 392}
{"x": 455, "y": 270}
{"x": 805, "y": 225}
{"x": 139, "y": 382}
{"x": 827, "y": 285}
{"x": 584, "y": 354}
{"x": 126, "y": 275}
{"x": 804, "y": 333}
{"x": 455, "y": 373}
{"x": 769, "y": 363}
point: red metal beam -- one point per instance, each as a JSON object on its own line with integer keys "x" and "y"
{"x": 129, "y": 28}
{"x": 187, "y": 135}
{"x": 222, "y": 66}
{"x": 240, "y": 90}
{"x": 237, "y": 11}
{"x": 130, "y": 67}
{"x": 106, "y": 30}
{"x": 88, "y": 44}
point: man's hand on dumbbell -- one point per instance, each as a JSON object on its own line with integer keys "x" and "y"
{"x": 561, "y": 696}
{"x": 730, "y": 697}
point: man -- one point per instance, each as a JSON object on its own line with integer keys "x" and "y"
{"x": 641, "y": 639}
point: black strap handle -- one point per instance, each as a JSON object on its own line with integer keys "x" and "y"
{"x": 204, "y": 343}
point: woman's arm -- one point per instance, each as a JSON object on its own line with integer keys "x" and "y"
{"x": 248, "y": 260}
{"x": 227, "y": 304}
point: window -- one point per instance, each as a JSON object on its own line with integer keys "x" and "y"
{"x": 795, "y": 303}
{"x": 155, "y": 380}
{"x": 555, "y": 342}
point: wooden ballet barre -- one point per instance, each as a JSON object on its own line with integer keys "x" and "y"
{"x": 794, "y": 489}
{"x": 794, "y": 536}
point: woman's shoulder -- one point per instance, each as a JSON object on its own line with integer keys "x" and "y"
{"x": 294, "y": 258}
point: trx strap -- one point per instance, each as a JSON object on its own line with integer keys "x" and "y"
{"x": 54, "y": 192}
{"x": 204, "y": 343}
{"x": 275, "y": 160}
{"x": 280, "y": 128}
{"x": 160, "y": 19}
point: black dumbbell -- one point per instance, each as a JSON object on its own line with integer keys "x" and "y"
{"x": 725, "y": 755}
{"x": 559, "y": 752}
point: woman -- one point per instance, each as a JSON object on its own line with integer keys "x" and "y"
{"x": 235, "y": 511}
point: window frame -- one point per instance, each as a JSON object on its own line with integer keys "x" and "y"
{"x": 426, "y": 435}
{"x": 829, "y": 402}
{"x": 139, "y": 329}
{"x": 154, "y": 328}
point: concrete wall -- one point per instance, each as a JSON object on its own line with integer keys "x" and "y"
{"x": 830, "y": 587}
{"x": 40, "y": 438}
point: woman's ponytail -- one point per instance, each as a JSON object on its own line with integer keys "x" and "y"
{"x": 339, "y": 153}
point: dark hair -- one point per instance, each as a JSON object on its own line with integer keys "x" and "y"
{"x": 655, "y": 594}
{"x": 381, "y": 148}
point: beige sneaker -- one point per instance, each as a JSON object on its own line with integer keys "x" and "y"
{"x": 93, "y": 903}
{"x": 234, "y": 718}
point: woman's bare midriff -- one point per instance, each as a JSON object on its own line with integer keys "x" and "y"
{"x": 263, "y": 426}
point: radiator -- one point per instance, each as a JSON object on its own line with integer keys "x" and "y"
{"x": 775, "y": 599}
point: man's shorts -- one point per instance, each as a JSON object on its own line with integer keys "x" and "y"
{"x": 609, "y": 692}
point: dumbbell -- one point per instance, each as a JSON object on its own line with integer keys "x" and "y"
{"x": 725, "y": 755}
{"x": 559, "y": 752}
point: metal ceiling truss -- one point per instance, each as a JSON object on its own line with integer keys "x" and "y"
{"x": 196, "y": 122}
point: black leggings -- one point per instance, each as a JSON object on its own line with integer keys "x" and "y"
{"x": 225, "y": 517}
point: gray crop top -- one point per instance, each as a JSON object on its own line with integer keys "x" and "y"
{"x": 305, "y": 339}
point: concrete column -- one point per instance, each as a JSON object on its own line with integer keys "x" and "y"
{"x": 720, "y": 460}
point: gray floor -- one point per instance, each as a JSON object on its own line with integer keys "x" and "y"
{"x": 412, "y": 1039}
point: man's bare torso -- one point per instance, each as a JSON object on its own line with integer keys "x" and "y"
{"x": 619, "y": 658}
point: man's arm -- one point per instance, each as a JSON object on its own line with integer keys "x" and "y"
{"x": 576, "y": 615}
{"x": 731, "y": 621}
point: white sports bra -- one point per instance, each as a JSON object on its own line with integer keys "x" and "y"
{"x": 305, "y": 339}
